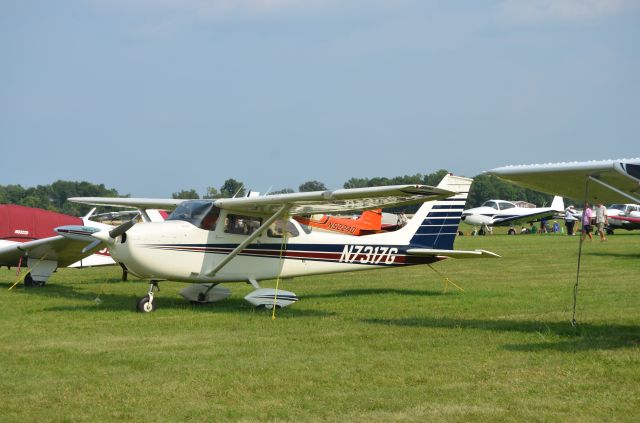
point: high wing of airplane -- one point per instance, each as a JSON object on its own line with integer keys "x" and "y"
{"x": 28, "y": 238}
{"x": 609, "y": 181}
{"x": 249, "y": 239}
{"x": 505, "y": 213}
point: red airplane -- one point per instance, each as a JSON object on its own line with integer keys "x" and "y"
{"x": 369, "y": 222}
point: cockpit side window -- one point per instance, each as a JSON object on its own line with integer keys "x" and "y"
{"x": 200, "y": 213}
{"x": 504, "y": 205}
{"x": 491, "y": 204}
{"x": 241, "y": 225}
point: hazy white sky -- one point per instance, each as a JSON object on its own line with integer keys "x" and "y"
{"x": 150, "y": 97}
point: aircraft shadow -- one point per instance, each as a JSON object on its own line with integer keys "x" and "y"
{"x": 167, "y": 299}
{"x": 377, "y": 291}
{"x": 587, "y": 336}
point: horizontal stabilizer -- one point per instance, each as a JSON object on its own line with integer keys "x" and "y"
{"x": 427, "y": 252}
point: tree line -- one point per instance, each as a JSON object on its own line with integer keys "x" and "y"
{"x": 54, "y": 197}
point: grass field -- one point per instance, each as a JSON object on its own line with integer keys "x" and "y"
{"x": 384, "y": 346}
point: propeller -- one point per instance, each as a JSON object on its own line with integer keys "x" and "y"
{"x": 116, "y": 232}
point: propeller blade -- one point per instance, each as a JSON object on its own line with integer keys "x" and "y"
{"x": 114, "y": 233}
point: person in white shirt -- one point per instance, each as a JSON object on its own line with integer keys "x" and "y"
{"x": 570, "y": 219}
{"x": 601, "y": 220}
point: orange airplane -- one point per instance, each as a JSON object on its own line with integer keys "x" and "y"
{"x": 369, "y": 222}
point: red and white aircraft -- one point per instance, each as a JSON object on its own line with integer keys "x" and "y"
{"x": 623, "y": 216}
{"x": 206, "y": 242}
{"x": 27, "y": 238}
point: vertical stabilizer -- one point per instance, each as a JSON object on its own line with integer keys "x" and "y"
{"x": 435, "y": 224}
{"x": 557, "y": 204}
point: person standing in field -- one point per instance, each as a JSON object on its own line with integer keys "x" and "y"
{"x": 601, "y": 220}
{"x": 570, "y": 220}
{"x": 587, "y": 214}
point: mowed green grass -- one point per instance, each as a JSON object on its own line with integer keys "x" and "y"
{"x": 387, "y": 345}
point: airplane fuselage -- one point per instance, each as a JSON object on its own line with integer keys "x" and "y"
{"x": 184, "y": 252}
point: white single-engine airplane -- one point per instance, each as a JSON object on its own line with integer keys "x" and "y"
{"x": 505, "y": 213}
{"x": 206, "y": 242}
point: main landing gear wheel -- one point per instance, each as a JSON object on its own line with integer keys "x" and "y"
{"x": 30, "y": 283}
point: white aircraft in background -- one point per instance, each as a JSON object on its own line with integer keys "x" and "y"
{"x": 506, "y": 213}
{"x": 249, "y": 239}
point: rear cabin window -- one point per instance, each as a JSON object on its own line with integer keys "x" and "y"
{"x": 241, "y": 225}
{"x": 276, "y": 230}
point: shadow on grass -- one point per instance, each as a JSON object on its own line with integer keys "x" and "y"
{"x": 378, "y": 291}
{"x": 630, "y": 255}
{"x": 587, "y": 336}
{"x": 166, "y": 299}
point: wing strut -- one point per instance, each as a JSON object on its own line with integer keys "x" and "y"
{"x": 583, "y": 235}
{"x": 614, "y": 189}
{"x": 281, "y": 212}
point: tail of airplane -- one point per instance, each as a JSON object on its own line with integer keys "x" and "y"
{"x": 435, "y": 224}
{"x": 371, "y": 219}
{"x": 557, "y": 204}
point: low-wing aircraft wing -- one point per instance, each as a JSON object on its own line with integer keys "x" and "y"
{"x": 518, "y": 220}
{"x": 613, "y": 181}
{"x": 57, "y": 248}
{"x": 300, "y": 203}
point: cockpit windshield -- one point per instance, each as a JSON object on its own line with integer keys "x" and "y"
{"x": 200, "y": 213}
{"x": 491, "y": 204}
{"x": 622, "y": 207}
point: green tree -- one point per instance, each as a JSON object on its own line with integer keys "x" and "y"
{"x": 312, "y": 186}
{"x": 212, "y": 192}
{"x": 186, "y": 195}
{"x": 232, "y": 188}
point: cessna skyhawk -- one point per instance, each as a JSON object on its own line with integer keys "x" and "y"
{"x": 206, "y": 242}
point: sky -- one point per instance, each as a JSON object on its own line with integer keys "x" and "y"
{"x": 151, "y": 97}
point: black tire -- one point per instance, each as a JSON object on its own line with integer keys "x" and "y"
{"x": 609, "y": 231}
{"x": 30, "y": 283}
{"x": 143, "y": 305}
{"x": 512, "y": 231}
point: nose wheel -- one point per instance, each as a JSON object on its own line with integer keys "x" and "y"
{"x": 147, "y": 303}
